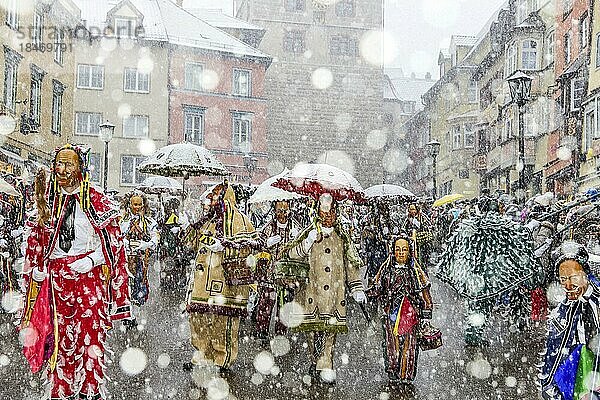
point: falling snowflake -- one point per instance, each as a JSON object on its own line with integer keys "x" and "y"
{"x": 133, "y": 361}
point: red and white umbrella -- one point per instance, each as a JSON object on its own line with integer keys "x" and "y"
{"x": 316, "y": 179}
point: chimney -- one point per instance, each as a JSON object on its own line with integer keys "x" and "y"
{"x": 428, "y": 76}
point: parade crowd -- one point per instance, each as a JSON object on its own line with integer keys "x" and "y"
{"x": 81, "y": 261}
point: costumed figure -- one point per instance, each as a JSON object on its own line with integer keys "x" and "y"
{"x": 77, "y": 281}
{"x": 401, "y": 289}
{"x": 140, "y": 238}
{"x": 276, "y": 233}
{"x": 418, "y": 227}
{"x": 225, "y": 239}
{"x": 333, "y": 264}
{"x": 489, "y": 259}
{"x": 174, "y": 259}
{"x": 570, "y": 366}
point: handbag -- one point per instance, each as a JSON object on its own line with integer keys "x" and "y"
{"x": 429, "y": 337}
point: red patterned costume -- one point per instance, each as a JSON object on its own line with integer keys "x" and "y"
{"x": 68, "y": 313}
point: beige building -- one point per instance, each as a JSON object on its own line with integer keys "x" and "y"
{"x": 325, "y": 86}
{"x": 37, "y": 80}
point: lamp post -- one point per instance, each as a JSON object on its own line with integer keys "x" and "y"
{"x": 250, "y": 163}
{"x": 106, "y": 134}
{"x": 520, "y": 90}
{"x": 434, "y": 150}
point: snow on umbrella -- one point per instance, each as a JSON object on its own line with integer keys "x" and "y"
{"x": 8, "y": 189}
{"x": 266, "y": 192}
{"x": 182, "y": 159}
{"x": 160, "y": 184}
{"x": 316, "y": 179}
{"x": 388, "y": 191}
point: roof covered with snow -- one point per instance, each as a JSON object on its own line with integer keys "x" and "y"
{"x": 217, "y": 18}
{"x": 405, "y": 88}
{"x": 461, "y": 40}
{"x": 166, "y": 22}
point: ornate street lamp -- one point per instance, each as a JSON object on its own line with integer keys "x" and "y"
{"x": 106, "y": 134}
{"x": 434, "y": 150}
{"x": 520, "y": 90}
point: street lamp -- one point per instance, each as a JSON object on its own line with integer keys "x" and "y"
{"x": 250, "y": 163}
{"x": 520, "y": 90}
{"x": 106, "y": 134}
{"x": 434, "y": 150}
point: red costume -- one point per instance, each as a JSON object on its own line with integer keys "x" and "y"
{"x": 68, "y": 314}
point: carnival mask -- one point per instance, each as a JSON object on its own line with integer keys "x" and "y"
{"x": 401, "y": 251}
{"x": 282, "y": 210}
{"x": 68, "y": 169}
{"x": 136, "y": 203}
{"x": 573, "y": 279}
{"x": 412, "y": 210}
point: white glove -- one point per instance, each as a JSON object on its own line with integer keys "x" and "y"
{"x": 6, "y": 254}
{"x": 38, "y": 275}
{"x": 83, "y": 265}
{"x": 359, "y": 296}
{"x": 144, "y": 245}
{"x": 416, "y": 222}
{"x": 217, "y": 246}
{"x": 273, "y": 240}
{"x": 175, "y": 229}
{"x": 16, "y": 232}
{"x": 3, "y": 243}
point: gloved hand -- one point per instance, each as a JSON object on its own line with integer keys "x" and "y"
{"x": 175, "y": 229}
{"x": 16, "y": 232}
{"x": 144, "y": 245}
{"x": 359, "y": 296}
{"x": 217, "y": 246}
{"x": 310, "y": 239}
{"x": 38, "y": 275}
{"x": 273, "y": 240}
{"x": 82, "y": 266}
{"x": 3, "y": 243}
{"x": 533, "y": 225}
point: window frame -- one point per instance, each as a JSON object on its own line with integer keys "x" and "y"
{"x": 194, "y": 111}
{"x": 91, "y": 67}
{"x": 88, "y": 124}
{"x": 584, "y": 27}
{"x": 59, "y": 41}
{"x": 242, "y": 117}
{"x": 568, "y": 42}
{"x": 236, "y": 76}
{"x": 294, "y": 41}
{"x": 137, "y": 80}
{"x": 549, "y": 53}
{"x": 572, "y": 95}
{"x": 57, "y": 94}
{"x": 469, "y": 133}
{"x": 598, "y": 50}
{"x": 344, "y": 46}
{"x": 457, "y": 137}
{"x": 37, "y": 33}
{"x": 12, "y": 15}
{"x": 93, "y": 171}
{"x": 189, "y": 64}
{"x": 136, "y": 118}
{"x": 137, "y": 159}
{"x": 341, "y": 8}
{"x": 35, "y": 93}
{"x": 295, "y": 6}
{"x": 131, "y": 28}
{"x": 472, "y": 89}
{"x": 12, "y": 60}
{"x": 531, "y": 53}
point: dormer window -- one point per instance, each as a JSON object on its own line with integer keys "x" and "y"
{"x": 125, "y": 27}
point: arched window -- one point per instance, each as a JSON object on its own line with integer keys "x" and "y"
{"x": 529, "y": 55}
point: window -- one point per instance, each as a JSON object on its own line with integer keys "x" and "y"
{"x": 12, "y": 14}
{"x": 293, "y": 41}
{"x": 294, "y": 5}
{"x": 11, "y": 64}
{"x": 37, "y": 33}
{"x": 521, "y": 9}
{"x": 135, "y": 126}
{"x": 193, "y": 76}
{"x": 90, "y": 76}
{"x": 469, "y": 136}
{"x": 129, "y": 172}
{"x": 95, "y": 167}
{"x": 577, "y": 87}
{"x": 463, "y": 174}
{"x": 57, "y": 93}
{"x": 343, "y": 46}
{"x": 344, "y": 8}
{"x": 568, "y": 47}
{"x": 529, "y": 55}
{"x": 135, "y": 81}
{"x": 59, "y": 46}
{"x": 472, "y": 92}
{"x": 550, "y": 48}
{"x": 124, "y": 27}
{"x": 242, "y": 130}
{"x": 456, "y": 137}
{"x": 597, "y": 50}
{"x": 590, "y": 128}
{"x": 511, "y": 60}
{"x": 507, "y": 133}
{"x": 193, "y": 125}
{"x": 35, "y": 93}
{"x": 241, "y": 82}
{"x": 86, "y": 123}
{"x": 583, "y": 32}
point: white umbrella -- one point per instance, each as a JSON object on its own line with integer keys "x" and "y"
{"x": 387, "y": 190}
{"x": 160, "y": 184}
{"x": 265, "y": 192}
{"x": 182, "y": 159}
{"x": 315, "y": 179}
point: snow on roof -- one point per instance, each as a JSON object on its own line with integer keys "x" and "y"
{"x": 165, "y": 21}
{"x": 405, "y": 88}
{"x": 217, "y": 18}
{"x": 461, "y": 40}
